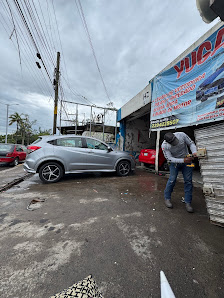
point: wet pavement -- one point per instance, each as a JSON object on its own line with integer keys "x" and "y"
{"x": 11, "y": 175}
{"x": 117, "y": 229}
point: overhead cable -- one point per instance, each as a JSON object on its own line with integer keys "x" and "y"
{"x": 91, "y": 44}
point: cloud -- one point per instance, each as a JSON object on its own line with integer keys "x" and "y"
{"x": 133, "y": 41}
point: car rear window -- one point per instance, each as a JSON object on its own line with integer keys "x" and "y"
{"x": 6, "y": 148}
{"x": 37, "y": 140}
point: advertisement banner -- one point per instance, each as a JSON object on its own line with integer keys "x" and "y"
{"x": 192, "y": 91}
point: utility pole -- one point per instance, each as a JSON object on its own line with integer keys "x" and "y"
{"x": 7, "y": 117}
{"x": 76, "y": 120}
{"x": 56, "y": 93}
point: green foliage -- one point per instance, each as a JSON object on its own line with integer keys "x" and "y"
{"x": 24, "y": 134}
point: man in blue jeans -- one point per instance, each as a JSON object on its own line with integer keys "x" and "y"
{"x": 175, "y": 149}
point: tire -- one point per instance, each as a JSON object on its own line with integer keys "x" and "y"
{"x": 51, "y": 172}
{"x": 165, "y": 166}
{"x": 123, "y": 168}
{"x": 15, "y": 162}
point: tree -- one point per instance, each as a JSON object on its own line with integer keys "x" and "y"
{"x": 15, "y": 118}
{"x": 25, "y": 134}
{"x": 26, "y": 128}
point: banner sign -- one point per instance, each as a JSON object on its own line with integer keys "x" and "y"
{"x": 192, "y": 91}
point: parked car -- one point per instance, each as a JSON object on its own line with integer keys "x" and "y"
{"x": 54, "y": 156}
{"x": 148, "y": 157}
{"x": 12, "y": 153}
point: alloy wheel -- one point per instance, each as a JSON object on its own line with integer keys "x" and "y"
{"x": 123, "y": 168}
{"x": 51, "y": 173}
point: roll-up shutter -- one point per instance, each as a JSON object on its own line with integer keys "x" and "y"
{"x": 212, "y": 169}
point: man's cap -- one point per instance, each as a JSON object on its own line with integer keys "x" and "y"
{"x": 171, "y": 139}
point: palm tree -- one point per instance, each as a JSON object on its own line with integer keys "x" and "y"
{"x": 26, "y": 127}
{"x": 15, "y": 118}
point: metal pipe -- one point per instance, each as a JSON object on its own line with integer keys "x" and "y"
{"x": 103, "y": 122}
{"x": 90, "y": 126}
{"x": 76, "y": 118}
{"x": 116, "y": 130}
{"x": 7, "y": 115}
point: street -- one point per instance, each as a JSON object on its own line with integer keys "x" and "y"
{"x": 117, "y": 229}
{"x": 3, "y": 167}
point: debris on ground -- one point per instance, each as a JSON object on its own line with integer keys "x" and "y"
{"x": 35, "y": 202}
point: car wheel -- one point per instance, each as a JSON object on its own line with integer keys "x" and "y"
{"x": 165, "y": 166}
{"x": 123, "y": 168}
{"x": 15, "y": 162}
{"x": 51, "y": 172}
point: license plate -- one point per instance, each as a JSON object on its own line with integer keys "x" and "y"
{"x": 145, "y": 154}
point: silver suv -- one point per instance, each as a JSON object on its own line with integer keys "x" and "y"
{"x": 54, "y": 156}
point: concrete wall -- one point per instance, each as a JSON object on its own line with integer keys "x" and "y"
{"x": 137, "y": 135}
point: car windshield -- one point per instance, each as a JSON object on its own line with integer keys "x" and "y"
{"x": 6, "y": 148}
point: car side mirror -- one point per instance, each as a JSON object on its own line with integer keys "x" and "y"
{"x": 109, "y": 149}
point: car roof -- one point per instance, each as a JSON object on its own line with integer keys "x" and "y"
{"x": 53, "y": 137}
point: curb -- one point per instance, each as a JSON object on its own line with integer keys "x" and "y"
{"x": 15, "y": 181}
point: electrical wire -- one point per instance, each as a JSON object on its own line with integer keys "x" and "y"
{"x": 26, "y": 60}
{"x": 15, "y": 33}
{"x": 25, "y": 21}
{"x": 75, "y": 93}
{"x": 81, "y": 13}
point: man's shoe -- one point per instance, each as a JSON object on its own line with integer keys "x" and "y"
{"x": 189, "y": 208}
{"x": 168, "y": 204}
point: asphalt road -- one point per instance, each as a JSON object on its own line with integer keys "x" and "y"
{"x": 117, "y": 229}
{"x": 4, "y": 167}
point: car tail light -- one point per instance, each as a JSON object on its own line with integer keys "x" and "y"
{"x": 32, "y": 149}
{"x": 10, "y": 154}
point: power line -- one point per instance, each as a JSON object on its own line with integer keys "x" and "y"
{"x": 60, "y": 39}
{"x": 30, "y": 33}
{"x": 15, "y": 33}
{"x": 91, "y": 44}
{"x": 26, "y": 60}
{"x": 74, "y": 92}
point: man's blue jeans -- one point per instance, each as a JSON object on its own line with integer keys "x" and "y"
{"x": 187, "y": 174}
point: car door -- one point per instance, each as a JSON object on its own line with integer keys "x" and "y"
{"x": 98, "y": 157}
{"x": 70, "y": 150}
{"x": 20, "y": 152}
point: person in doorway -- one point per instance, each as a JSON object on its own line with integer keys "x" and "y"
{"x": 175, "y": 149}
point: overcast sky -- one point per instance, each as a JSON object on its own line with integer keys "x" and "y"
{"x": 133, "y": 40}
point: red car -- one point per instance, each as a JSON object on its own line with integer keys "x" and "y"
{"x": 148, "y": 156}
{"x": 12, "y": 153}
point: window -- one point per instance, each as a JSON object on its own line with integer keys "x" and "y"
{"x": 19, "y": 149}
{"x": 24, "y": 148}
{"x": 69, "y": 142}
{"x": 6, "y": 148}
{"x": 37, "y": 140}
{"x": 94, "y": 144}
